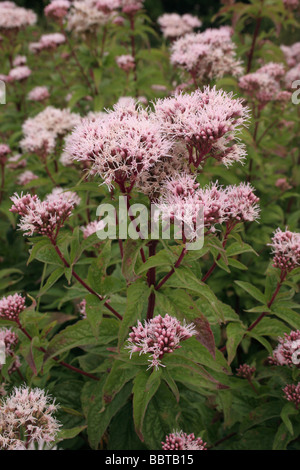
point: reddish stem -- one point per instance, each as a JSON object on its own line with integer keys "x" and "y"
{"x": 81, "y": 281}
{"x": 65, "y": 364}
{"x": 177, "y": 264}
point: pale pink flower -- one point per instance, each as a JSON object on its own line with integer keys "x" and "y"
{"x": 241, "y": 204}
{"x": 245, "y": 371}
{"x": 11, "y": 307}
{"x": 286, "y": 351}
{"x": 158, "y": 336}
{"x": 39, "y": 93}
{"x": 44, "y": 217}
{"x": 119, "y": 147}
{"x": 126, "y": 62}
{"x": 29, "y": 412}
{"x": 286, "y": 249}
{"x": 174, "y": 25}
{"x": 108, "y": 6}
{"x": 19, "y": 60}
{"x": 292, "y": 75}
{"x": 26, "y": 178}
{"x": 84, "y": 16}
{"x": 131, "y": 6}
{"x": 179, "y": 440}
{"x": 291, "y": 4}
{"x": 292, "y": 393}
{"x": 19, "y": 74}
{"x": 283, "y": 184}
{"x": 260, "y": 86}
{"x": 16, "y": 161}
{"x": 48, "y": 41}
{"x": 4, "y": 151}
{"x": 13, "y": 17}
{"x": 207, "y": 121}
{"x": 57, "y": 9}
{"x": 207, "y": 55}
{"x": 291, "y": 54}
{"x": 92, "y": 228}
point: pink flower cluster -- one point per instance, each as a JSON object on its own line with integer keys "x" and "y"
{"x": 13, "y": 17}
{"x": 291, "y": 4}
{"x": 182, "y": 441}
{"x": 57, "y": 9}
{"x": 48, "y": 42}
{"x": 39, "y": 93}
{"x": 26, "y": 416}
{"x": 288, "y": 350}
{"x": 183, "y": 201}
{"x": 245, "y": 371}
{"x": 264, "y": 84}
{"x": 292, "y": 393}
{"x": 19, "y": 74}
{"x": 207, "y": 55}
{"x": 292, "y": 75}
{"x": 10, "y": 340}
{"x": 19, "y": 60}
{"x": 120, "y": 146}
{"x": 174, "y": 25}
{"x": 207, "y": 121}
{"x": 286, "y": 249}
{"x": 126, "y": 62}
{"x": 44, "y": 217}
{"x": 86, "y": 16}
{"x": 92, "y": 228}
{"x": 4, "y": 151}
{"x": 291, "y": 54}
{"x": 26, "y": 178}
{"x": 157, "y": 337}
{"x": 41, "y": 131}
{"x": 11, "y": 307}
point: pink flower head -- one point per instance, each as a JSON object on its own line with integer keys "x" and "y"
{"x": 26, "y": 178}
{"x": 92, "y": 228}
{"x": 29, "y": 409}
{"x": 174, "y": 25}
{"x": 291, "y": 54}
{"x": 57, "y": 9}
{"x": 182, "y": 441}
{"x": 126, "y": 62}
{"x": 48, "y": 42}
{"x": 4, "y": 151}
{"x": 283, "y": 184}
{"x": 44, "y": 217}
{"x": 19, "y": 74}
{"x": 19, "y": 60}
{"x": 16, "y": 161}
{"x": 241, "y": 204}
{"x": 292, "y": 393}
{"x": 291, "y": 4}
{"x": 39, "y": 93}
{"x": 131, "y": 6}
{"x": 11, "y": 307}
{"x": 10, "y": 340}
{"x": 288, "y": 350}
{"x": 292, "y": 75}
{"x": 13, "y": 18}
{"x": 286, "y": 249}
{"x": 158, "y": 336}
{"x": 207, "y": 121}
{"x": 107, "y": 6}
{"x": 245, "y": 371}
{"x": 207, "y": 55}
{"x": 119, "y": 147}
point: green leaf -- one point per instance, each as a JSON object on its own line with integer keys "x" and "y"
{"x": 52, "y": 279}
{"x": 235, "y": 333}
{"x": 253, "y": 291}
{"x": 144, "y": 389}
{"x": 132, "y": 250}
{"x": 137, "y": 298}
{"x": 119, "y": 375}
